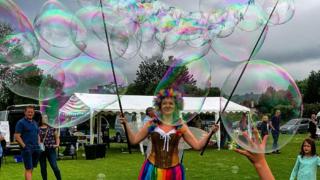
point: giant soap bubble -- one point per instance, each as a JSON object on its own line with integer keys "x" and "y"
{"x": 263, "y": 89}
{"x": 60, "y": 33}
{"x": 81, "y": 75}
{"x": 25, "y": 79}
{"x": 18, "y": 43}
{"x": 92, "y": 18}
{"x": 191, "y": 79}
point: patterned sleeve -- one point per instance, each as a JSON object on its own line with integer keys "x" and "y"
{"x": 151, "y": 124}
{"x": 295, "y": 169}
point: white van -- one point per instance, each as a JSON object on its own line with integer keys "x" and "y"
{"x": 9, "y": 119}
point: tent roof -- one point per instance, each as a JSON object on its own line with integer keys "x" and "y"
{"x": 137, "y": 103}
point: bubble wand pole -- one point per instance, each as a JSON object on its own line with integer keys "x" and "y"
{"x": 113, "y": 72}
{"x": 241, "y": 74}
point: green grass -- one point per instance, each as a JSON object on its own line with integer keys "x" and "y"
{"x": 214, "y": 164}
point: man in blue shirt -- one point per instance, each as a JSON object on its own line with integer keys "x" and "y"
{"x": 275, "y": 127}
{"x": 27, "y": 135}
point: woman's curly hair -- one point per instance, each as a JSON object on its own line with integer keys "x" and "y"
{"x": 170, "y": 92}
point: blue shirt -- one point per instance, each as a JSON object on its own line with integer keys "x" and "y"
{"x": 305, "y": 168}
{"x": 275, "y": 121}
{"x": 1, "y": 151}
{"x": 29, "y": 131}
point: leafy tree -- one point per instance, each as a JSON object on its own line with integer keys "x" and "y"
{"x": 5, "y": 29}
{"x": 312, "y": 91}
{"x": 14, "y": 75}
{"x": 151, "y": 72}
{"x": 214, "y": 92}
{"x": 302, "y": 85}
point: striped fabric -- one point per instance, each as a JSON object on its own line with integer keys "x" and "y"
{"x": 150, "y": 172}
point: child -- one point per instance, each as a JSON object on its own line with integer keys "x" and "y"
{"x": 264, "y": 126}
{"x": 307, "y": 162}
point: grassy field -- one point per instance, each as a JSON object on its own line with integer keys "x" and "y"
{"x": 214, "y": 164}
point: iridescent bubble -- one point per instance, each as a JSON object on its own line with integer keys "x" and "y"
{"x": 191, "y": 78}
{"x": 18, "y": 43}
{"x": 151, "y": 50}
{"x": 183, "y": 50}
{"x": 88, "y": 3}
{"x": 222, "y": 24}
{"x": 234, "y": 169}
{"x": 239, "y": 45}
{"x": 189, "y": 7}
{"x": 101, "y": 176}
{"x": 134, "y": 45}
{"x": 283, "y": 13}
{"x": 168, "y": 19}
{"x": 148, "y": 30}
{"x": 168, "y": 39}
{"x": 211, "y": 6}
{"x": 263, "y": 89}
{"x": 25, "y": 79}
{"x": 96, "y": 40}
{"x": 251, "y": 17}
{"x": 198, "y": 134}
{"x": 81, "y": 75}
{"x": 191, "y": 25}
{"x": 60, "y": 33}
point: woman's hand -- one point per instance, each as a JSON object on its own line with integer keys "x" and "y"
{"x": 255, "y": 144}
{"x": 257, "y": 159}
{"x": 215, "y": 128}
{"x": 56, "y": 146}
{"x": 123, "y": 120}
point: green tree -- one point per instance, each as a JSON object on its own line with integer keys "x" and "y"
{"x": 214, "y": 92}
{"x": 14, "y": 75}
{"x": 302, "y": 85}
{"x": 151, "y": 72}
{"x": 312, "y": 91}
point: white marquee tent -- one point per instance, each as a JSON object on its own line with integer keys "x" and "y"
{"x": 90, "y": 104}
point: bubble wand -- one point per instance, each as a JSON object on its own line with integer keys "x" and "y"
{"x": 242, "y": 72}
{"x": 113, "y": 72}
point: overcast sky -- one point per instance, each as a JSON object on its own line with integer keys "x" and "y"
{"x": 294, "y": 45}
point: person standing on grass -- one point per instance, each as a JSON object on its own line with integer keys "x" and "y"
{"x": 313, "y": 126}
{"x": 275, "y": 128}
{"x": 165, "y": 132}
{"x": 49, "y": 136}
{"x": 307, "y": 162}
{"x": 27, "y": 135}
{"x": 264, "y": 126}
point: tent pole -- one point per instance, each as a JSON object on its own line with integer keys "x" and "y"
{"x": 99, "y": 128}
{"x": 218, "y": 133}
{"x": 91, "y": 126}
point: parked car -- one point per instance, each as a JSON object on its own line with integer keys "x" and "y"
{"x": 120, "y": 134}
{"x": 299, "y": 125}
{"x": 10, "y": 117}
{"x": 235, "y": 124}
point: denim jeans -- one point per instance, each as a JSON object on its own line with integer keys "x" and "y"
{"x": 51, "y": 155}
{"x": 275, "y": 136}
